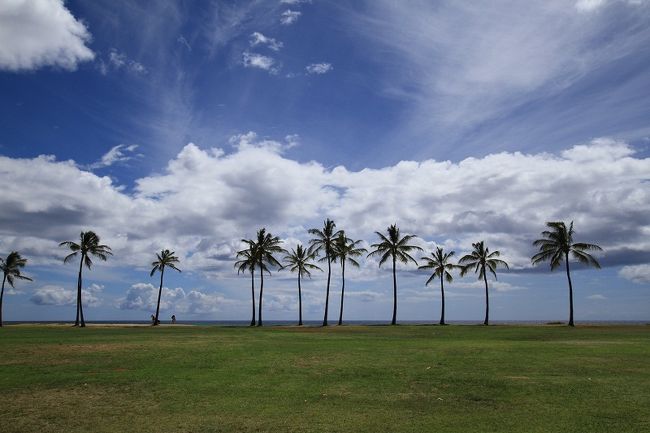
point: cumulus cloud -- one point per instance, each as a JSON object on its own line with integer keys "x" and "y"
{"x": 289, "y": 17}
{"x": 319, "y": 68}
{"x": 57, "y": 295}
{"x": 636, "y": 273}
{"x": 144, "y": 296}
{"x": 258, "y": 38}
{"x": 119, "y": 153}
{"x": 259, "y": 61}
{"x": 38, "y": 33}
{"x": 205, "y": 200}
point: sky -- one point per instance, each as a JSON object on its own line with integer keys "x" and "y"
{"x": 190, "y": 125}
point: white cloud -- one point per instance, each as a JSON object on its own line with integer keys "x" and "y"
{"x": 184, "y": 42}
{"x": 37, "y": 33}
{"x": 636, "y": 273}
{"x": 254, "y": 60}
{"x": 205, "y": 200}
{"x": 258, "y": 38}
{"x": 294, "y": 2}
{"x": 470, "y": 63}
{"x": 596, "y": 297}
{"x": 57, "y": 295}
{"x": 119, "y": 153}
{"x": 119, "y": 61}
{"x": 144, "y": 297}
{"x": 319, "y": 68}
{"x": 289, "y": 17}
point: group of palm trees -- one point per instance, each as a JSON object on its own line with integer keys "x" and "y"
{"x": 331, "y": 246}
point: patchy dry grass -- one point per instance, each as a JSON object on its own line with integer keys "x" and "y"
{"x": 338, "y": 379}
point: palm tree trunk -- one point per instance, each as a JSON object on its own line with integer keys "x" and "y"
{"x": 80, "y": 309}
{"x": 2, "y": 294}
{"x": 162, "y": 272}
{"x": 327, "y": 294}
{"x": 299, "y": 301}
{"x": 342, "y": 290}
{"x": 394, "y": 321}
{"x": 487, "y": 301}
{"x": 253, "y": 295}
{"x": 259, "y": 313}
{"x": 81, "y": 262}
{"x": 442, "y": 292}
{"x": 568, "y": 275}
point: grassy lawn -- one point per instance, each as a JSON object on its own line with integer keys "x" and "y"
{"x": 353, "y": 379}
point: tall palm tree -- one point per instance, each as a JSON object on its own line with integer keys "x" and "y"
{"x": 556, "y": 245}
{"x": 396, "y": 248}
{"x": 247, "y": 262}
{"x": 324, "y": 242}
{"x": 11, "y": 267}
{"x": 345, "y": 250}
{"x": 264, "y": 247}
{"x": 299, "y": 261}
{"x": 165, "y": 259}
{"x": 88, "y": 246}
{"x": 481, "y": 259}
{"x": 439, "y": 262}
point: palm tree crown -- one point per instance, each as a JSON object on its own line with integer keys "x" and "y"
{"x": 166, "y": 259}
{"x": 396, "y": 247}
{"x": 324, "y": 242}
{"x": 11, "y": 269}
{"x": 482, "y": 260}
{"x": 88, "y": 246}
{"x": 439, "y": 262}
{"x": 345, "y": 250}
{"x": 556, "y": 245}
{"x": 298, "y": 260}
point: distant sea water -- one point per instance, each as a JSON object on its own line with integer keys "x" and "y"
{"x": 316, "y": 323}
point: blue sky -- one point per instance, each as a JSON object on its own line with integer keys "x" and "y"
{"x": 189, "y": 126}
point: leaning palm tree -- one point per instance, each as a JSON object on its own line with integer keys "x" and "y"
{"x": 439, "y": 262}
{"x": 299, "y": 261}
{"x": 481, "y": 259}
{"x": 247, "y": 262}
{"x": 324, "y": 242}
{"x": 396, "y": 248}
{"x": 165, "y": 259}
{"x": 264, "y": 247}
{"x": 345, "y": 249}
{"x": 88, "y": 246}
{"x": 556, "y": 245}
{"x": 11, "y": 267}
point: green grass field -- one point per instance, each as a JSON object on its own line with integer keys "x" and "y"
{"x": 353, "y": 379}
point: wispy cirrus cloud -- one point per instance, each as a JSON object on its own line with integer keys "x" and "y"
{"x": 259, "y": 61}
{"x": 318, "y": 68}
{"x": 258, "y": 38}
{"x": 289, "y": 17}
{"x": 117, "y": 154}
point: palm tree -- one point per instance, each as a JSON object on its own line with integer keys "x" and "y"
{"x": 481, "y": 259}
{"x": 11, "y": 269}
{"x": 247, "y": 262}
{"x": 345, "y": 249}
{"x": 324, "y": 241}
{"x": 555, "y": 246}
{"x": 88, "y": 246}
{"x": 264, "y": 247}
{"x": 298, "y": 261}
{"x": 440, "y": 264}
{"x": 167, "y": 259}
{"x": 396, "y": 248}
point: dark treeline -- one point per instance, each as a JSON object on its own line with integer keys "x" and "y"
{"x": 332, "y": 246}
